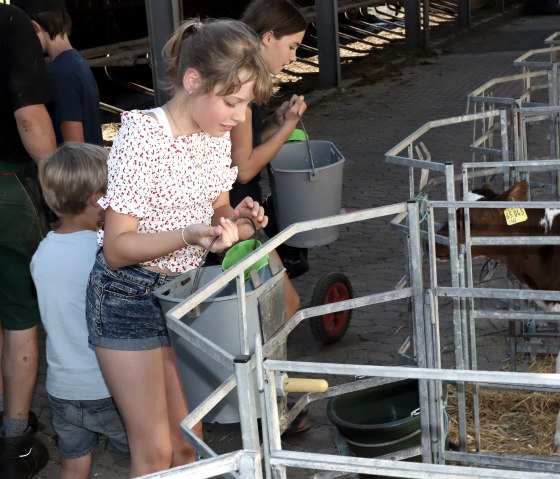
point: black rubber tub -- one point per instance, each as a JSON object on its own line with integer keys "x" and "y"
{"x": 379, "y": 420}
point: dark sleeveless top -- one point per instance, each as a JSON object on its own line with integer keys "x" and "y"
{"x": 253, "y": 187}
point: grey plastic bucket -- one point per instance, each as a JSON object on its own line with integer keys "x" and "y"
{"x": 217, "y": 319}
{"x": 298, "y": 195}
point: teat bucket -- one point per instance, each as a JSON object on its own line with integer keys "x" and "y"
{"x": 306, "y": 184}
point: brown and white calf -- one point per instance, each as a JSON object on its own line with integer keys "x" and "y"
{"x": 536, "y": 266}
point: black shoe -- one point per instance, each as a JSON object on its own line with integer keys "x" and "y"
{"x": 22, "y": 457}
{"x": 32, "y": 421}
{"x": 294, "y": 260}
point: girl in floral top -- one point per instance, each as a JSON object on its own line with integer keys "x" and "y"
{"x": 168, "y": 196}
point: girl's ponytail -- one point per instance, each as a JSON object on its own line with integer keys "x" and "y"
{"x": 172, "y": 52}
{"x": 226, "y": 54}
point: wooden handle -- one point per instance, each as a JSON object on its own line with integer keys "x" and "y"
{"x": 305, "y": 385}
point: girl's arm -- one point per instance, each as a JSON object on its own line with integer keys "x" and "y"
{"x": 248, "y": 208}
{"x": 124, "y": 246}
{"x": 250, "y": 161}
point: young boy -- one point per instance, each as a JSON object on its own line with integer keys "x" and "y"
{"x": 75, "y": 112}
{"x": 73, "y": 179}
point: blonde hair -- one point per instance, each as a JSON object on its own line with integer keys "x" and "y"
{"x": 225, "y": 52}
{"x": 71, "y": 174}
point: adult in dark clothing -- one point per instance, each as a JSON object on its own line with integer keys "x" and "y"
{"x": 75, "y": 112}
{"x": 26, "y": 137}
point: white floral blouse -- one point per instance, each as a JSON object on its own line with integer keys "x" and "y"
{"x": 167, "y": 183}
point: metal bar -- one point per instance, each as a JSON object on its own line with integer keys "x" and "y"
{"x": 358, "y": 465}
{"x": 494, "y": 293}
{"x": 248, "y": 413}
{"x": 197, "y": 414}
{"x": 393, "y": 152}
{"x": 417, "y": 282}
{"x": 530, "y": 463}
{"x": 207, "y": 468}
{"x": 213, "y": 286}
{"x": 516, "y": 315}
{"x": 523, "y": 60}
{"x": 454, "y": 375}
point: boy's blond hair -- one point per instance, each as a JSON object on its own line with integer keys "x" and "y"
{"x": 71, "y": 175}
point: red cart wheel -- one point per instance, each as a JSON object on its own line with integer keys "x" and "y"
{"x": 329, "y": 328}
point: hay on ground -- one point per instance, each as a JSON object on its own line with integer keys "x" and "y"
{"x": 511, "y": 421}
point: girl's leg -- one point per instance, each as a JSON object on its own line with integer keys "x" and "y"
{"x": 76, "y": 468}
{"x": 292, "y": 301}
{"x": 136, "y": 381}
{"x": 291, "y": 298}
{"x": 178, "y": 408}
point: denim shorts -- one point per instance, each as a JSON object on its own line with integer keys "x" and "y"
{"x": 121, "y": 310}
{"x": 80, "y": 426}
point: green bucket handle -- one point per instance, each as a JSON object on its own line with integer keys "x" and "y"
{"x": 237, "y": 254}
{"x": 297, "y": 135}
{"x": 241, "y": 249}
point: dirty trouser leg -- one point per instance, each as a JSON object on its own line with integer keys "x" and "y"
{"x": 19, "y": 316}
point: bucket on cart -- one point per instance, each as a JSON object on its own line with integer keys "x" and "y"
{"x": 306, "y": 184}
{"x": 217, "y": 319}
{"x": 379, "y": 420}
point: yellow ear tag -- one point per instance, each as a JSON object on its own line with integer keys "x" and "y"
{"x": 515, "y": 215}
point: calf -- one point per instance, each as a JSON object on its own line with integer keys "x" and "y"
{"x": 536, "y": 266}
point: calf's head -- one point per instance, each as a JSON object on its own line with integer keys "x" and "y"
{"x": 485, "y": 221}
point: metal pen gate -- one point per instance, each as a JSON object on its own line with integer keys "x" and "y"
{"x": 268, "y": 458}
{"x": 258, "y": 379}
{"x": 503, "y": 137}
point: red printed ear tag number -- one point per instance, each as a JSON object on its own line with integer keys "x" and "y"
{"x": 515, "y": 215}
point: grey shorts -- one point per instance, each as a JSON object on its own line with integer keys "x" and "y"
{"x": 121, "y": 310}
{"x": 80, "y": 426}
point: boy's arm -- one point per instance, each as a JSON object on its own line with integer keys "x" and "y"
{"x": 72, "y": 131}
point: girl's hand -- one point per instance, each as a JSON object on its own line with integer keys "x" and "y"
{"x": 203, "y": 235}
{"x": 251, "y": 209}
{"x": 291, "y": 110}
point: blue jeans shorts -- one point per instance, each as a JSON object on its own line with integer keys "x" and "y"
{"x": 80, "y": 426}
{"x": 121, "y": 310}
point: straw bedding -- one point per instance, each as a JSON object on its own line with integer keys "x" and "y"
{"x": 517, "y": 422}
